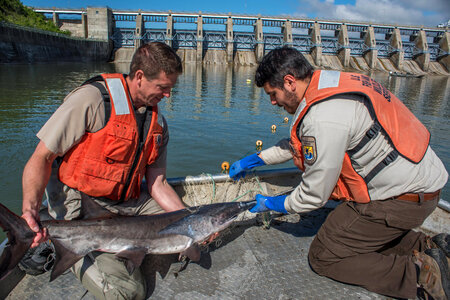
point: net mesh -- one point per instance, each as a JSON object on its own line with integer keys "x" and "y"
{"x": 209, "y": 191}
{"x": 228, "y": 191}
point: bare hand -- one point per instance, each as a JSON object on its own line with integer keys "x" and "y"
{"x": 33, "y": 222}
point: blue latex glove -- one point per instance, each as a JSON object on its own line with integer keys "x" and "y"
{"x": 239, "y": 168}
{"x": 265, "y": 203}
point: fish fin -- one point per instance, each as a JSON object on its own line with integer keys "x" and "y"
{"x": 11, "y": 256}
{"x": 20, "y": 237}
{"x": 193, "y": 252}
{"x": 64, "y": 259}
{"x": 133, "y": 258}
{"x": 92, "y": 210}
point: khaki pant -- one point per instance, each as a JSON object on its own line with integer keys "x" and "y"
{"x": 101, "y": 273}
{"x": 105, "y": 277}
{"x": 371, "y": 245}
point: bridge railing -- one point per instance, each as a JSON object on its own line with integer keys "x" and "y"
{"x": 330, "y": 45}
{"x": 302, "y": 43}
{"x": 154, "y": 35}
{"x": 215, "y": 40}
{"x": 184, "y": 39}
{"x": 244, "y": 41}
{"x": 123, "y": 37}
{"x": 272, "y": 41}
{"x": 356, "y": 47}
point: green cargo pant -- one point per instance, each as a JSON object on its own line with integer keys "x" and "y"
{"x": 105, "y": 277}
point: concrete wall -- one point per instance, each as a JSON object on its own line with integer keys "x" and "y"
{"x": 18, "y": 44}
{"x": 76, "y": 28}
{"x": 99, "y": 23}
{"x": 245, "y": 58}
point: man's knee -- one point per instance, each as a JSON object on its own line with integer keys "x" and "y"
{"x": 107, "y": 278}
{"x": 320, "y": 258}
{"x": 126, "y": 289}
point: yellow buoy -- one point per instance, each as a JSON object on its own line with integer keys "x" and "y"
{"x": 286, "y": 119}
{"x": 249, "y": 81}
{"x": 274, "y": 128}
{"x": 259, "y": 144}
{"x": 225, "y": 166}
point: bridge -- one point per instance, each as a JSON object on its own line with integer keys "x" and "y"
{"x": 232, "y": 34}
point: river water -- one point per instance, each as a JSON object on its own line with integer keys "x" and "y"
{"x": 215, "y": 114}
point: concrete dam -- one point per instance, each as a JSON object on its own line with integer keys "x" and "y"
{"x": 243, "y": 40}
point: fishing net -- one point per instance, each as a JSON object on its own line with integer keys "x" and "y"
{"x": 207, "y": 190}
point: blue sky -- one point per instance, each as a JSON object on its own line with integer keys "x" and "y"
{"x": 402, "y": 12}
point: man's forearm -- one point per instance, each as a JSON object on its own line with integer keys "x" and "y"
{"x": 35, "y": 177}
{"x": 161, "y": 191}
{"x": 34, "y": 180}
{"x": 276, "y": 154}
{"x": 166, "y": 197}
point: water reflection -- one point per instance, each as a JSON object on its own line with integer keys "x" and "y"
{"x": 393, "y": 84}
{"x": 228, "y": 86}
{"x": 438, "y": 94}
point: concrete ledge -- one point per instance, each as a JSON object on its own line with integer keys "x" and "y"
{"x": 20, "y": 44}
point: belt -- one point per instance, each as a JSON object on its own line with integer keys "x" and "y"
{"x": 417, "y": 197}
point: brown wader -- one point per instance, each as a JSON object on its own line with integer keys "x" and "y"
{"x": 371, "y": 245}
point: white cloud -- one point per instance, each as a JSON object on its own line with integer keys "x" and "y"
{"x": 402, "y": 12}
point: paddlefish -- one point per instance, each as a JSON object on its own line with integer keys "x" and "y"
{"x": 130, "y": 237}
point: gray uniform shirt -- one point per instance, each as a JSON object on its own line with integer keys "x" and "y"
{"x": 82, "y": 111}
{"x": 337, "y": 126}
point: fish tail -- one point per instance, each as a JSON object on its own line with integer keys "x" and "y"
{"x": 20, "y": 237}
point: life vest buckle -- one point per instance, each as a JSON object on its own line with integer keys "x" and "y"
{"x": 390, "y": 157}
{"x": 373, "y": 130}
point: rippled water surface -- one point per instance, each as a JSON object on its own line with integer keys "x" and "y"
{"x": 215, "y": 114}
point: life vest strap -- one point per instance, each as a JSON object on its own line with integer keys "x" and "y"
{"x": 381, "y": 165}
{"x": 371, "y": 133}
{"x": 106, "y": 98}
{"x": 102, "y": 89}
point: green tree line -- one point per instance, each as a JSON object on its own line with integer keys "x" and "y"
{"x": 13, "y": 11}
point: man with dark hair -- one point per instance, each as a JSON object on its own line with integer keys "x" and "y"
{"x": 356, "y": 142}
{"x": 100, "y": 143}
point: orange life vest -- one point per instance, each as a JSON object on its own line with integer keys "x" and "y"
{"x": 111, "y": 162}
{"x": 406, "y": 133}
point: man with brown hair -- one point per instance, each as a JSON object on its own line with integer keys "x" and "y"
{"x": 101, "y": 142}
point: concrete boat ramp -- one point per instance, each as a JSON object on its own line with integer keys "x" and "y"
{"x": 247, "y": 261}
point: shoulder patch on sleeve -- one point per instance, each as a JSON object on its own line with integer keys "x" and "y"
{"x": 309, "y": 149}
{"x": 328, "y": 79}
